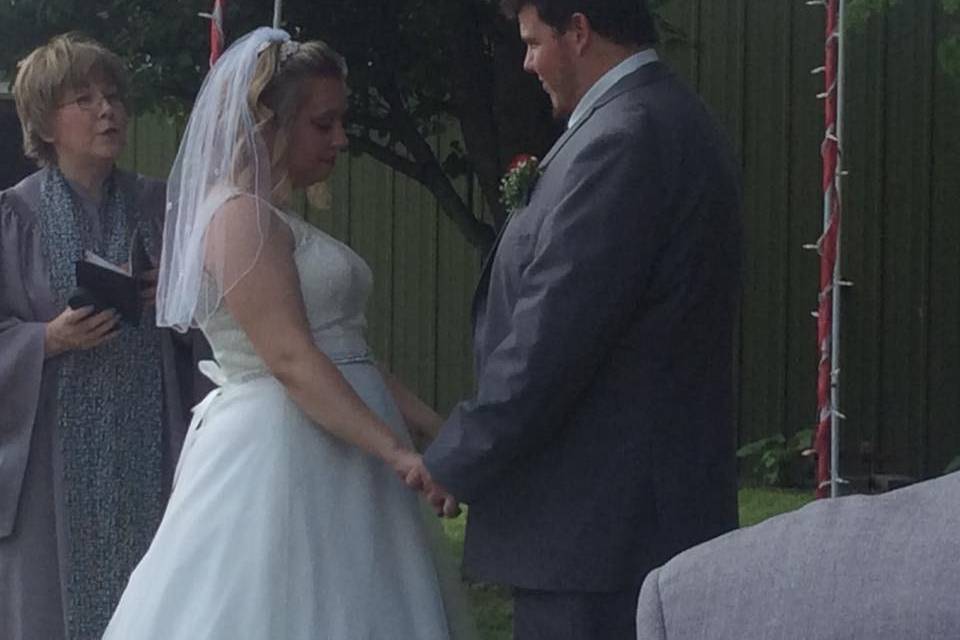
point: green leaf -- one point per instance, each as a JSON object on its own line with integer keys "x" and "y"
{"x": 801, "y": 440}
{"x": 750, "y": 450}
{"x": 758, "y": 446}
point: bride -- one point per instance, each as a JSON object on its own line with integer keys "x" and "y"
{"x": 287, "y": 519}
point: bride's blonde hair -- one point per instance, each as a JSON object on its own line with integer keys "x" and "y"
{"x": 276, "y": 95}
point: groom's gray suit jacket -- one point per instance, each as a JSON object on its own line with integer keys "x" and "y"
{"x": 863, "y": 567}
{"x": 599, "y": 441}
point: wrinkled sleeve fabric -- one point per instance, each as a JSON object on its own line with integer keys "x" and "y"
{"x": 579, "y": 292}
{"x": 21, "y": 357}
{"x": 650, "y": 625}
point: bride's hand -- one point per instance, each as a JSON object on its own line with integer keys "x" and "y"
{"x": 405, "y": 463}
{"x": 414, "y": 473}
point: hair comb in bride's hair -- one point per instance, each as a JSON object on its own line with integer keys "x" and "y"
{"x": 288, "y": 49}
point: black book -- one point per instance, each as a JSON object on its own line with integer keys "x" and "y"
{"x": 104, "y": 285}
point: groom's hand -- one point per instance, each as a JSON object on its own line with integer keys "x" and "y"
{"x": 443, "y": 504}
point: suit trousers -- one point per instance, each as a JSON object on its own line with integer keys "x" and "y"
{"x": 552, "y": 615}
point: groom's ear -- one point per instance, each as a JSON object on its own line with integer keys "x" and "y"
{"x": 579, "y": 32}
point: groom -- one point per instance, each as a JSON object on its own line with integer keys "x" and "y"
{"x": 599, "y": 443}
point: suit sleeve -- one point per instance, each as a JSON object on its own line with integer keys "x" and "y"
{"x": 650, "y": 625}
{"x": 579, "y": 292}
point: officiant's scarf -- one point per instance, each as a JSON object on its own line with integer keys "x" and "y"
{"x": 109, "y": 424}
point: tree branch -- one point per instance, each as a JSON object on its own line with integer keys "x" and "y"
{"x": 432, "y": 177}
{"x": 386, "y": 156}
{"x": 431, "y": 174}
{"x": 477, "y": 121}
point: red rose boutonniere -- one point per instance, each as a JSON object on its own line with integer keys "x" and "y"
{"x": 517, "y": 184}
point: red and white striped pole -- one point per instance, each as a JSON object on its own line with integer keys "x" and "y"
{"x": 217, "y": 37}
{"x": 826, "y": 441}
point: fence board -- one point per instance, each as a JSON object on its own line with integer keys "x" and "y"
{"x": 371, "y": 231}
{"x": 863, "y": 231}
{"x": 684, "y": 56}
{"x": 805, "y": 121}
{"x": 763, "y": 346}
{"x": 720, "y": 46}
{"x": 722, "y": 68}
{"x": 906, "y": 218}
{"x": 156, "y": 145}
{"x": 943, "y": 434}
{"x": 458, "y": 267}
{"x": 414, "y": 358}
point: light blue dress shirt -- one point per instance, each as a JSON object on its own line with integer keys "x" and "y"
{"x": 610, "y": 78}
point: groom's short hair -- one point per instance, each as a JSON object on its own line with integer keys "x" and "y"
{"x": 626, "y": 22}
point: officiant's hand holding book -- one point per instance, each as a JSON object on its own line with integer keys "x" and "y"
{"x": 104, "y": 285}
{"x": 80, "y": 329}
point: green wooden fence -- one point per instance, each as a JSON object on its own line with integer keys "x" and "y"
{"x": 751, "y": 60}
{"x": 900, "y": 346}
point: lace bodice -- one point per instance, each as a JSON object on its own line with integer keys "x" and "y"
{"x": 335, "y": 283}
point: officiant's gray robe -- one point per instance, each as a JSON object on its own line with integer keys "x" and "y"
{"x": 33, "y": 555}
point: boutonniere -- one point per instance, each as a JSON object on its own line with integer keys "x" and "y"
{"x": 517, "y": 184}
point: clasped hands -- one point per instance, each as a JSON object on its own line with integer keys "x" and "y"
{"x": 414, "y": 474}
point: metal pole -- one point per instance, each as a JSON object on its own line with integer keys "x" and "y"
{"x": 277, "y": 12}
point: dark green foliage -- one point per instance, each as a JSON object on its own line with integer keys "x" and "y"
{"x": 948, "y": 50}
{"x": 416, "y": 68}
{"x": 778, "y": 461}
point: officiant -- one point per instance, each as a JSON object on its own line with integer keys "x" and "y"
{"x": 92, "y": 407}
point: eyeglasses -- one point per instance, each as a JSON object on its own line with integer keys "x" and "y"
{"x": 92, "y": 100}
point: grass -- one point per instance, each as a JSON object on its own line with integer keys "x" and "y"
{"x": 491, "y": 605}
{"x": 759, "y": 503}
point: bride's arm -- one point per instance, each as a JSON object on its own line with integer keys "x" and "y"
{"x": 419, "y": 416}
{"x": 267, "y": 304}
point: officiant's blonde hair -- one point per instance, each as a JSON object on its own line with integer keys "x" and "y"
{"x": 277, "y": 93}
{"x": 68, "y": 62}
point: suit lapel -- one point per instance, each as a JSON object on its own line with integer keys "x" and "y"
{"x": 481, "y": 289}
{"x": 480, "y": 292}
{"x": 562, "y": 140}
{"x": 642, "y": 76}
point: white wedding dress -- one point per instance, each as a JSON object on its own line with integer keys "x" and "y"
{"x": 277, "y": 530}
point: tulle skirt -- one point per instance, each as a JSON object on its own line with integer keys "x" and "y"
{"x": 278, "y": 531}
